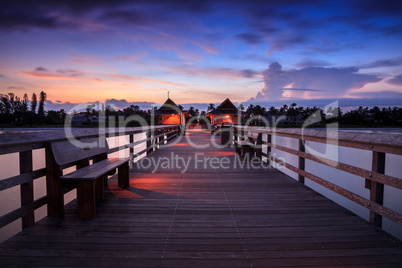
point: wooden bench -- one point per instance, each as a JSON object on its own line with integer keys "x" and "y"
{"x": 251, "y": 146}
{"x": 90, "y": 179}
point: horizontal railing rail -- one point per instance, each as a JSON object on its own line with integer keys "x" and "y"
{"x": 25, "y": 143}
{"x": 377, "y": 144}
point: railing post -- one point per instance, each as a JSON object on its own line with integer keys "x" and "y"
{"x": 377, "y": 189}
{"x": 302, "y": 160}
{"x": 258, "y": 151}
{"x": 54, "y": 186}
{"x": 234, "y": 133}
{"x": 269, "y": 149}
{"x": 149, "y": 142}
{"x": 27, "y": 192}
{"x": 131, "y": 137}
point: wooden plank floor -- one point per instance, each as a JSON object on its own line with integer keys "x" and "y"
{"x": 205, "y": 217}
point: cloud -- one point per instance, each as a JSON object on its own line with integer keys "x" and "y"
{"x": 383, "y": 63}
{"x": 143, "y": 79}
{"x": 251, "y": 57}
{"x": 2, "y": 76}
{"x": 18, "y": 18}
{"x": 41, "y": 72}
{"x": 206, "y": 48}
{"x": 127, "y": 17}
{"x": 118, "y": 104}
{"x": 323, "y": 82}
{"x": 219, "y": 73}
{"x": 380, "y": 95}
{"x": 288, "y": 40}
{"x": 70, "y": 72}
{"x": 397, "y": 80}
{"x": 251, "y": 38}
{"x": 41, "y": 69}
{"x": 389, "y": 7}
{"x": 302, "y": 89}
{"x": 249, "y": 73}
{"x": 121, "y": 104}
{"x": 13, "y": 87}
{"x": 26, "y": 14}
{"x": 305, "y": 63}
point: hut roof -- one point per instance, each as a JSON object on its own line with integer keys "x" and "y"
{"x": 169, "y": 107}
{"x": 226, "y": 107}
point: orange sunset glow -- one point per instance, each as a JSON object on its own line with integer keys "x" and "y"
{"x": 201, "y": 53}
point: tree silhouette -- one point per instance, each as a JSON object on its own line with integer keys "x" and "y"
{"x": 25, "y": 104}
{"x": 42, "y": 99}
{"x": 34, "y": 103}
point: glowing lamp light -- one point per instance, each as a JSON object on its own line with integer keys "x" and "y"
{"x": 227, "y": 116}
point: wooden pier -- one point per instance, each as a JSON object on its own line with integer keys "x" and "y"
{"x": 204, "y": 216}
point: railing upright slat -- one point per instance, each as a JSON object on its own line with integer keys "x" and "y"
{"x": 377, "y": 189}
{"x": 26, "y": 189}
{"x": 302, "y": 160}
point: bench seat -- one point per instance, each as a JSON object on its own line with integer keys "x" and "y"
{"x": 95, "y": 170}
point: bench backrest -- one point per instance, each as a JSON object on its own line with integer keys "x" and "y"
{"x": 65, "y": 152}
{"x": 253, "y": 135}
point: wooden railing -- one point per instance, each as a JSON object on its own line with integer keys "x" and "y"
{"x": 375, "y": 179}
{"x": 25, "y": 143}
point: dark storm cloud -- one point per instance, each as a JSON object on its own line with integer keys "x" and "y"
{"x": 389, "y": 7}
{"x": 13, "y": 16}
{"x": 48, "y": 14}
{"x": 127, "y": 17}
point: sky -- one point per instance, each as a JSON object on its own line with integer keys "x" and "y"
{"x": 268, "y": 52}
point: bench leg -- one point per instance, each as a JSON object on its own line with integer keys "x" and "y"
{"x": 123, "y": 175}
{"x": 237, "y": 149}
{"x": 86, "y": 199}
{"x": 99, "y": 188}
{"x": 105, "y": 181}
{"x": 258, "y": 153}
{"x": 247, "y": 151}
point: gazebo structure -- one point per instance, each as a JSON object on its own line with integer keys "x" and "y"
{"x": 169, "y": 114}
{"x": 226, "y": 112}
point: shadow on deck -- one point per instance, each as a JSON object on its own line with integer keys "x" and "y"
{"x": 191, "y": 214}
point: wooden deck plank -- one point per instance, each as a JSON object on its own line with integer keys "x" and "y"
{"x": 205, "y": 218}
